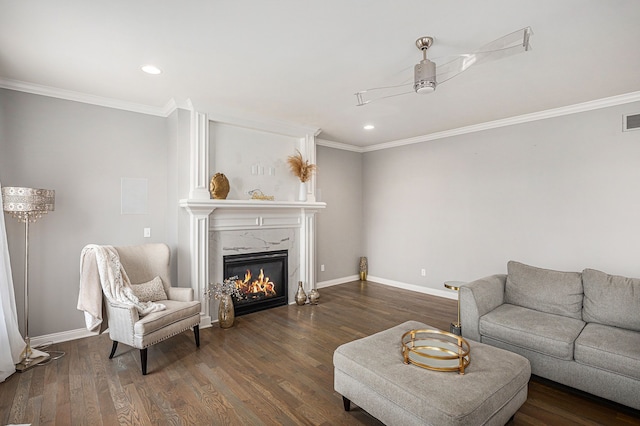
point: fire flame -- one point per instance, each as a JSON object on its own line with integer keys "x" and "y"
{"x": 261, "y": 284}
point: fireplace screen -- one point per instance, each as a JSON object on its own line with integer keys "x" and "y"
{"x": 262, "y": 280}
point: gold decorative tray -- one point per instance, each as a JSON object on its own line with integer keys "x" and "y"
{"x": 435, "y": 350}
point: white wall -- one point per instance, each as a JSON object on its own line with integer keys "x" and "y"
{"x": 235, "y": 150}
{"x": 562, "y": 193}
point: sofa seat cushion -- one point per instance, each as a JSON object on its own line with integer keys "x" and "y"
{"x": 544, "y": 290}
{"x": 549, "y": 334}
{"x": 609, "y": 348}
{"x": 611, "y": 299}
{"x": 175, "y": 312}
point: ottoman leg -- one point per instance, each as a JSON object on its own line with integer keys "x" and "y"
{"x": 346, "y": 403}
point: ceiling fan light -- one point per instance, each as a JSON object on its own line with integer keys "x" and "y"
{"x": 424, "y": 86}
{"x": 424, "y": 77}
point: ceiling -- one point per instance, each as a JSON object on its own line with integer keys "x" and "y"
{"x": 301, "y": 61}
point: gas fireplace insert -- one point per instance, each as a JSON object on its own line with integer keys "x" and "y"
{"x": 262, "y": 280}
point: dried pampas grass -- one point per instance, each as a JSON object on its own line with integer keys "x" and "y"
{"x": 300, "y": 167}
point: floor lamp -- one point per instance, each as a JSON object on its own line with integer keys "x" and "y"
{"x": 27, "y": 205}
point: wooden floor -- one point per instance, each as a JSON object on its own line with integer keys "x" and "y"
{"x": 272, "y": 367}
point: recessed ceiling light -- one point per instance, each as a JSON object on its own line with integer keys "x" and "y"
{"x": 369, "y": 127}
{"x": 151, "y": 69}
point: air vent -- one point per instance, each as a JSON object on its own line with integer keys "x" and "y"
{"x": 631, "y": 122}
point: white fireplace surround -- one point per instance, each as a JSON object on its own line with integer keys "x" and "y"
{"x": 221, "y": 227}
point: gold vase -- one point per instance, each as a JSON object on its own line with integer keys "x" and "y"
{"x": 226, "y": 312}
{"x": 314, "y": 295}
{"x": 301, "y": 296}
{"x": 219, "y": 186}
{"x": 364, "y": 266}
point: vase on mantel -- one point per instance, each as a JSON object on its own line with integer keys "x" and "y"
{"x": 226, "y": 312}
{"x": 302, "y": 191}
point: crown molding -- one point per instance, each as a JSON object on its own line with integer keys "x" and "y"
{"x": 70, "y": 95}
{"x": 339, "y": 145}
{"x": 526, "y": 118}
{"x": 266, "y": 125}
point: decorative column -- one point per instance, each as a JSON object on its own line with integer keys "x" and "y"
{"x": 307, "y": 249}
{"x": 199, "y": 156}
{"x": 199, "y": 212}
{"x": 199, "y": 254}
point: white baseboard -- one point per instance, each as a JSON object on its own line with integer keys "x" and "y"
{"x": 418, "y": 288}
{"x": 329, "y": 283}
{"x": 63, "y": 336}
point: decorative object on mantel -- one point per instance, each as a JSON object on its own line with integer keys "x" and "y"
{"x": 364, "y": 265}
{"x": 223, "y": 292}
{"x": 28, "y": 205}
{"x": 219, "y": 186}
{"x": 314, "y": 295}
{"x": 303, "y": 171}
{"x": 301, "y": 296}
{"x": 256, "y": 194}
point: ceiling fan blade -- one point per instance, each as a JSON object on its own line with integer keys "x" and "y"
{"x": 381, "y": 93}
{"x": 503, "y": 47}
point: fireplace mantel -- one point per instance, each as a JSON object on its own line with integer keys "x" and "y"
{"x": 249, "y": 205}
{"x": 210, "y": 220}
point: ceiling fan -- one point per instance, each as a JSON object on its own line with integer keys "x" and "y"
{"x": 427, "y": 76}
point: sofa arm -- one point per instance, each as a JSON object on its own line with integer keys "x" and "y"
{"x": 478, "y": 298}
{"x": 122, "y": 318}
{"x": 181, "y": 294}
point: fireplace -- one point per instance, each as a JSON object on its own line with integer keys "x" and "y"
{"x": 262, "y": 280}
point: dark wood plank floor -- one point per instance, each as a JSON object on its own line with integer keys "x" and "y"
{"x": 272, "y": 367}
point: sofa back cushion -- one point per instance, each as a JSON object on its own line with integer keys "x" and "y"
{"x": 544, "y": 290}
{"x": 611, "y": 299}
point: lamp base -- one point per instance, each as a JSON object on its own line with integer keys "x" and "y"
{"x": 23, "y": 366}
{"x": 455, "y": 329}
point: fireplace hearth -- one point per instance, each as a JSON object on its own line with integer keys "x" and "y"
{"x": 262, "y": 280}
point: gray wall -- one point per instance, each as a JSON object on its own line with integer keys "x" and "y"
{"x": 561, "y": 193}
{"x": 339, "y": 238}
{"x": 81, "y": 151}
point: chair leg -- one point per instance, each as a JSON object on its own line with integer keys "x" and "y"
{"x": 347, "y": 403}
{"x": 196, "y": 332}
{"x": 143, "y": 361}
{"x": 113, "y": 349}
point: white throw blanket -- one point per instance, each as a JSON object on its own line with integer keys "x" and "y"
{"x": 113, "y": 282}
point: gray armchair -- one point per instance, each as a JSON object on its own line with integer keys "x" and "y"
{"x": 142, "y": 264}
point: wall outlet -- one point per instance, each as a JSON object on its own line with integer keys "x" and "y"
{"x": 423, "y": 272}
{"x": 321, "y": 268}
{"x": 147, "y": 232}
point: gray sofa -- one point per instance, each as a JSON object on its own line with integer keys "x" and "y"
{"x": 578, "y": 329}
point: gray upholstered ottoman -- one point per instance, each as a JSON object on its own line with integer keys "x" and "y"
{"x": 371, "y": 373}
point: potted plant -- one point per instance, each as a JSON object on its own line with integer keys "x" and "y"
{"x": 223, "y": 293}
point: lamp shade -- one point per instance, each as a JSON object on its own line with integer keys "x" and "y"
{"x": 27, "y": 204}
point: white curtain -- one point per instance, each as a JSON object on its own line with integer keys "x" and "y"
{"x": 11, "y": 342}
